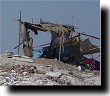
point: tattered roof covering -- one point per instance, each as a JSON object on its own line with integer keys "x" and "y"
{"x": 88, "y": 48}
{"x": 47, "y": 26}
{"x": 91, "y": 51}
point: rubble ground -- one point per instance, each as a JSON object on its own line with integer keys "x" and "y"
{"x": 41, "y": 71}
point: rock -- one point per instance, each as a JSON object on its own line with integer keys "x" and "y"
{"x": 9, "y": 54}
{"x": 86, "y": 75}
{"x": 65, "y": 72}
{"x": 24, "y": 73}
{"x": 48, "y": 66}
{"x": 13, "y": 71}
{"x": 1, "y": 70}
{"x": 1, "y": 78}
{"x": 69, "y": 80}
{"x": 2, "y": 82}
{"x": 97, "y": 80}
{"x": 13, "y": 74}
{"x": 53, "y": 74}
{"x": 4, "y": 74}
{"x": 44, "y": 72}
{"x": 95, "y": 72}
{"x": 8, "y": 79}
{"x": 88, "y": 71}
{"x": 76, "y": 73}
{"x": 33, "y": 67}
{"x": 40, "y": 71}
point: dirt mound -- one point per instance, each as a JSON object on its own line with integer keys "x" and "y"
{"x": 42, "y": 71}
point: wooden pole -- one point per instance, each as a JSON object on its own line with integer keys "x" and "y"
{"x": 19, "y": 33}
{"x": 32, "y": 32}
{"x": 71, "y": 39}
{"x": 89, "y": 35}
{"x": 79, "y": 49}
{"x": 60, "y": 39}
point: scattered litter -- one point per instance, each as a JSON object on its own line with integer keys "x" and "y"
{"x": 44, "y": 72}
{"x": 79, "y": 68}
{"x": 23, "y": 59}
{"x": 8, "y": 54}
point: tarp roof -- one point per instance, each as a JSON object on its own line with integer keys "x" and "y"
{"x": 47, "y": 26}
{"x": 88, "y": 48}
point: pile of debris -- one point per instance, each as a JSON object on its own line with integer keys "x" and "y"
{"x": 22, "y": 70}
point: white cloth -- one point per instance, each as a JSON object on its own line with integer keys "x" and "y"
{"x": 23, "y": 33}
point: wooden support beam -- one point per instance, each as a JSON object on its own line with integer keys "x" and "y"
{"x": 60, "y": 38}
{"x": 19, "y": 33}
{"x": 89, "y": 35}
{"x": 32, "y": 32}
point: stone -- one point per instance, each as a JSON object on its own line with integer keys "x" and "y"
{"x": 8, "y": 79}
{"x": 24, "y": 73}
{"x": 95, "y": 72}
{"x": 53, "y": 74}
{"x": 2, "y": 82}
{"x": 1, "y": 78}
{"x": 9, "y": 54}
{"x": 4, "y": 74}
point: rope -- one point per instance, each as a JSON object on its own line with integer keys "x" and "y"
{"x": 97, "y": 57}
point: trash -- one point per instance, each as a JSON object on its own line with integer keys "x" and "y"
{"x": 92, "y": 64}
{"x": 37, "y": 52}
{"x": 23, "y": 59}
{"x": 88, "y": 66}
{"x": 79, "y": 68}
{"x": 17, "y": 56}
{"x": 9, "y": 54}
{"x": 26, "y": 57}
{"x": 24, "y": 73}
{"x": 8, "y": 79}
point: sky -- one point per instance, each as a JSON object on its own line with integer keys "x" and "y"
{"x": 86, "y": 16}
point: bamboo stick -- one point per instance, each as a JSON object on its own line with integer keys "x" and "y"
{"x": 60, "y": 38}
{"x": 19, "y": 33}
{"x": 89, "y": 35}
{"x": 32, "y": 32}
{"x": 71, "y": 39}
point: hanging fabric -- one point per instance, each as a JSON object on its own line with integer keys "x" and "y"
{"x": 27, "y": 51}
{"x": 23, "y": 37}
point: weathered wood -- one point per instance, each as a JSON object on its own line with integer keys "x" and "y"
{"x": 60, "y": 39}
{"x": 41, "y": 45}
{"x": 89, "y": 35}
{"x": 18, "y": 45}
{"x": 19, "y": 33}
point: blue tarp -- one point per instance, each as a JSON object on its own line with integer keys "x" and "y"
{"x": 37, "y": 52}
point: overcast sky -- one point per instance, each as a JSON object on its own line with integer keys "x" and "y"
{"x": 86, "y": 16}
